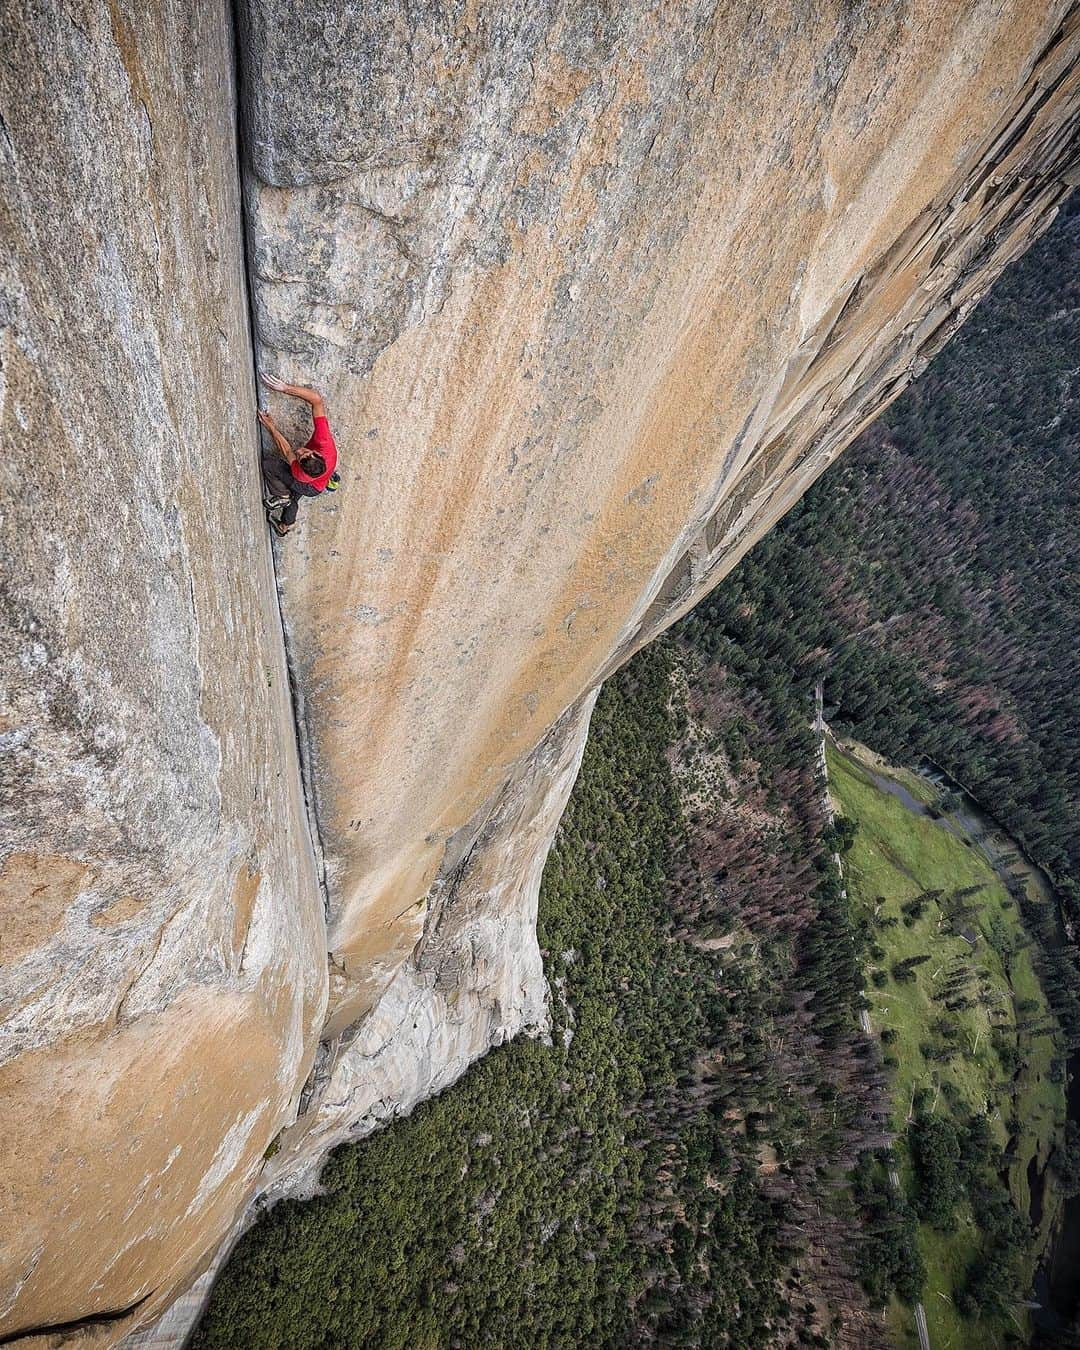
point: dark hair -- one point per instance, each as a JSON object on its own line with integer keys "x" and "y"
{"x": 313, "y": 465}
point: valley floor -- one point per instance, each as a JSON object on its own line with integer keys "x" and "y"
{"x": 681, "y": 1166}
{"x": 967, "y": 1028}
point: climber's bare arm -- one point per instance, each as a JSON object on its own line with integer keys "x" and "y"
{"x": 284, "y": 448}
{"x": 312, "y": 396}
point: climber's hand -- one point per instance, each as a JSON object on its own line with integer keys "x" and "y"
{"x": 272, "y": 382}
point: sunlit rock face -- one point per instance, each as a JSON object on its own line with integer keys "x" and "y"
{"x": 594, "y": 292}
{"x": 162, "y": 950}
{"x": 474, "y": 980}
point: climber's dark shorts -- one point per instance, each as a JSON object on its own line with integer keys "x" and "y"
{"x": 279, "y": 483}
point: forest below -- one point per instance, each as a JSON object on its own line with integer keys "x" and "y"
{"x": 698, "y": 1157}
{"x": 653, "y": 1172}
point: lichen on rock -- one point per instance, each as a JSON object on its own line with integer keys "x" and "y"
{"x": 594, "y": 292}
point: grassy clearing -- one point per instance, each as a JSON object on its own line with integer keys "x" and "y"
{"x": 897, "y": 856}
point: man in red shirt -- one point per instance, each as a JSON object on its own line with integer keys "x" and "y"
{"x": 307, "y": 471}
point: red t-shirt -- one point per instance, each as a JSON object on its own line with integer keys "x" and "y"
{"x": 321, "y": 443}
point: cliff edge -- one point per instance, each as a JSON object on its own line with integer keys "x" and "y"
{"x": 593, "y": 292}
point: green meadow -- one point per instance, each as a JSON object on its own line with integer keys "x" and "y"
{"x": 991, "y": 1056}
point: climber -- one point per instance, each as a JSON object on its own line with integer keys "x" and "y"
{"x": 307, "y": 471}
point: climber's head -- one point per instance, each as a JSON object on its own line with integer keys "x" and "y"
{"x": 313, "y": 465}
